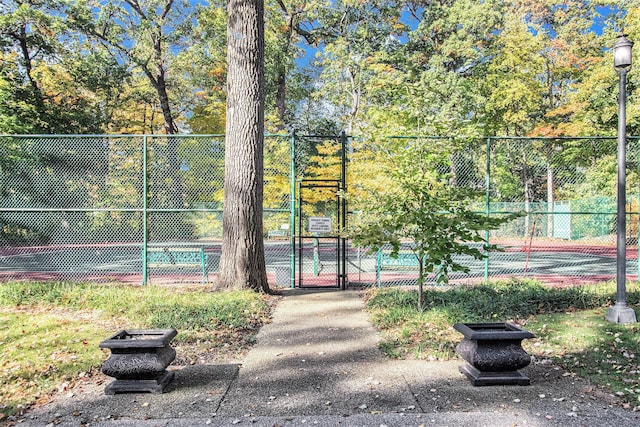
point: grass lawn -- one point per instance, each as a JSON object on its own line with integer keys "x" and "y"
{"x": 49, "y": 332}
{"x": 585, "y": 343}
{"x": 569, "y": 324}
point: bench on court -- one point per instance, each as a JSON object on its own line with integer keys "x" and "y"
{"x": 403, "y": 260}
{"x": 179, "y": 256}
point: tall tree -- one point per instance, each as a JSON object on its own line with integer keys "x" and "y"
{"x": 42, "y": 87}
{"x": 287, "y": 25}
{"x": 242, "y": 263}
{"x": 353, "y": 35}
{"x": 146, "y": 34}
{"x": 23, "y": 29}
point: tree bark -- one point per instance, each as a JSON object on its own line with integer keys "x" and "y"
{"x": 242, "y": 264}
{"x": 37, "y": 93}
{"x": 281, "y": 98}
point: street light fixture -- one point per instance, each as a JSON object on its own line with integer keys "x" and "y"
{"x": 622, "y": 53}
{"x": 620, "y": 312}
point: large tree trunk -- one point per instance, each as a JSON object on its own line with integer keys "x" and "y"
{"x": 242, "y": 264}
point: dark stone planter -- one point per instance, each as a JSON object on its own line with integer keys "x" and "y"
{"x": 494, "y": 353}
{"x": 139, "y": 360}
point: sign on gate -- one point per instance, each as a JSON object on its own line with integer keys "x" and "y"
{"x": 320, "y": 224}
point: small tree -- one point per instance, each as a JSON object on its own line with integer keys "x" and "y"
{"x": 422, "y": 209}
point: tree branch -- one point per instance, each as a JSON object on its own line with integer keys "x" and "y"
{"x": 167, "y": 9}
{"x": 136, "y": 7}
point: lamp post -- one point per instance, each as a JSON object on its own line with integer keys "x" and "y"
{"x": 620, "y": 312}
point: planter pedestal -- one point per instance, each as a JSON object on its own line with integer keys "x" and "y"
{"x": 139, "y": 360}
{"x": 494, "y": 353}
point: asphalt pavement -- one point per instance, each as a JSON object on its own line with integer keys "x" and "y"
{"x": 318, "y": 364}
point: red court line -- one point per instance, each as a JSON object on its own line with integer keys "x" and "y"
{"x": 324, "y": 280}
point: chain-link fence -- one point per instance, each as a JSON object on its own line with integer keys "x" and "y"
{"x": 138, "y": 208}
{"x": 566, "y": 188}
{"x": 126, "y": 208}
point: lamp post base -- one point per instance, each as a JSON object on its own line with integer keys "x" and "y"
{"x": 621, "y": 313}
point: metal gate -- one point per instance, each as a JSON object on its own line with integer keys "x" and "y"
{"x": 320, "y": 249}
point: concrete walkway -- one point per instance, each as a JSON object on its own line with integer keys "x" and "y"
{"x": 318, "y": 364}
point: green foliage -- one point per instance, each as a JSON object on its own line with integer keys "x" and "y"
{"x": 459, "y": 66}
{"x": 147, "y": 37}
{"x": 421, "y": 208}
{"x": 41, "y": 90}
{"x": 17, "y": 112}
{"x": 454, "y": 68}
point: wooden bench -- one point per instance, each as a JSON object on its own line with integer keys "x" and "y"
{"x": 277, "y": 234}
{"x": 183, "y": 256}
{"x": 404, "y": 260}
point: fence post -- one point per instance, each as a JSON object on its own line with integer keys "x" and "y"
{"x": 292, "y": 206}
{"x": 144, "y": 210}
{"x": 343, "y": 208}
{"x": 634, "y": 149}
{"x": 487, "y": 204}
